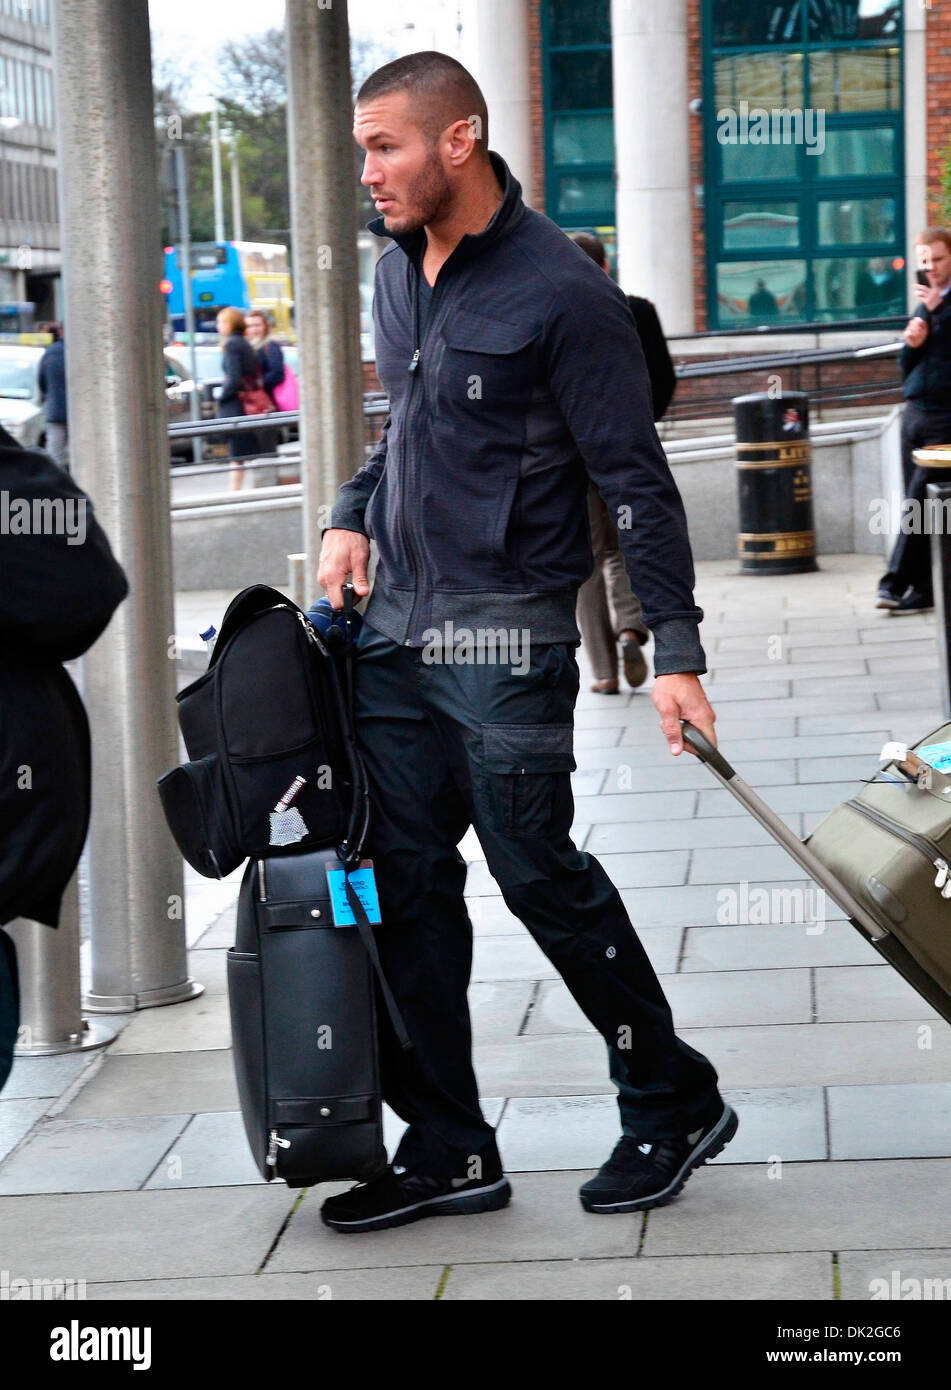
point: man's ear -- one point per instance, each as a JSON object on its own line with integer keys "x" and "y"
{"x": 463, "y": 139}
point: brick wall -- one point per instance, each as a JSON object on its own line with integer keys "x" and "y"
{"x": 695, "y": 89}
{"x": 536, "y": 90}
{"x": 871, "y": 381}
{"x": 938, "y": 60}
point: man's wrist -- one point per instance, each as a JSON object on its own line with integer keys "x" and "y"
{"x": 677, "y": 649}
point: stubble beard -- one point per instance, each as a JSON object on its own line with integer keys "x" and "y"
{"x": 429, "y": 196}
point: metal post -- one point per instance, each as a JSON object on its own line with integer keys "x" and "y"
{"x": 185, "y": 265}
{"x": 939, "y": 500}
{"x": 216, "y": 174}
{"x": 297, "y": 582}
{"x": 326, "y": 275}
{"x": 112, "y": 267}
{"x": 237, "y": 221}
{"x": 51, "y": 1018}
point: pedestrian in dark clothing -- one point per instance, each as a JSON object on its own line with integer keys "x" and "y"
{"x": 61, "y": 585}
{"x": 242, "y": 372}
{"x": 925, "y": 362}
{"x": 762, "y": 303}
{"x": 271, "y": 365}
{"x": 609, "y": 611}
{"x": 513, "y": 370}
{"x": 52, "y": 383}
{"x": 270, "y": 353}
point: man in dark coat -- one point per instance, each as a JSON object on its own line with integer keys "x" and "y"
{"x": 514, "y": 373}
{"x": 609, "y": 611}
{"x": 52, "y": 383}
{"x": 61, "y": 585}
{"x": 925, "y": 362}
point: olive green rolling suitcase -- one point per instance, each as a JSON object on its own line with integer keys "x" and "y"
{"x": 884, "y": 857}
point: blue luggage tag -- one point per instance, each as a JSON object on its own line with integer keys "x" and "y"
{"x": 938, "y": 755}
{"x": 363, "y": 883}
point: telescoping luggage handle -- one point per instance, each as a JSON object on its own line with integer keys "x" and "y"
{"x": 780, "y": 831}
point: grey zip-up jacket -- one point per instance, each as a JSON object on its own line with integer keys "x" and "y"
{"x": 529, "y": 378}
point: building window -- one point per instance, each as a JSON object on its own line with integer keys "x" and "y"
{"x": 579, "y": 116}
{"x": 803, "y": 147}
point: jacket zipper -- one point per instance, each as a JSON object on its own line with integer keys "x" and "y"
{"x": 413, "y": 370}
{"x": 932, "y": 852}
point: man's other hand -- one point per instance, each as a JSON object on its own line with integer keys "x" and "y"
{"x": 681, "y": 697}
{"x": 916, "y": 332}
{"x": 343, "y": 553}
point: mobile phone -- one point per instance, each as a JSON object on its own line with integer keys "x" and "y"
{"x": 923, "y": 261}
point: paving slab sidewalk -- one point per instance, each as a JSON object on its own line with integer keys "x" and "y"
{"x": 128, "y": 1168}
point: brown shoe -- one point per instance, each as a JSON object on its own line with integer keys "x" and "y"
{"x": 635, "y": 663}
{"x": 606, "y": 687}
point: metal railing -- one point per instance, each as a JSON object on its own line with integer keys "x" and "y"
{"x": 684, "y": 407}
{"x": 375, "y": 410}
{"x": 688, "y": 406}
{"x": 870, "y": 325}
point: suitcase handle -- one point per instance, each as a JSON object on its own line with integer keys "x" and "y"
{"x": 705, "y": 750}
{"x": 767, "y": 817}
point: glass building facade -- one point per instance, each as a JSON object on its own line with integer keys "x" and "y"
{"x": 579, "y": 116}
{"x": 803, "y": 152}
{"x": 803, "y": 160}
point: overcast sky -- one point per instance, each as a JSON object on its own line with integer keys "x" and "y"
{"x": 188, "y": 33}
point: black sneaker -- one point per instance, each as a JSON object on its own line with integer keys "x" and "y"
{"x": 914, "y": 601}
{"x": 888, "y": 596}
{"x": 638, "y": 1176}
{"x": 397, "y": 1197}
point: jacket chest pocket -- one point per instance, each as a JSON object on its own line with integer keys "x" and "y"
{"x": 485, "y": 364}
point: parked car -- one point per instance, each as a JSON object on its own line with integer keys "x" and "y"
{"x": 21, "y": 406}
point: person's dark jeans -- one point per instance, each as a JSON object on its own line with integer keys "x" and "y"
{"x": 910, "y": 561}
{"x": 452, "y": 745}
{"x": 9, "y": 1005}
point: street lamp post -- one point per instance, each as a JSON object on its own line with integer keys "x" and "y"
{"x": 237, "y": 222}
{"x": 185, "y": 265}
{"x": 216, "y": 174}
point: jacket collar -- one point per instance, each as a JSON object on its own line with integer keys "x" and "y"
{"x": 509, "y": 212}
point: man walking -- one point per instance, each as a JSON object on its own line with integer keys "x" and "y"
{"x": 513, "y": 371}
{"x": 52, "y": 383}
{"x": 925, "y": 362}
{"x": 609, "y": 611}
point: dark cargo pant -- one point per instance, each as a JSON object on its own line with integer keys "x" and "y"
{"x": 449, "y": 745}
{"x": 910, "y": 560}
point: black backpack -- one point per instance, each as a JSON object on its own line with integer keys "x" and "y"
{"x": 273, "y": 767}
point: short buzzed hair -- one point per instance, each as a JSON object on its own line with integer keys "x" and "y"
{"x": 443, "y": 91}
{"x": 591, "y": 245}
{"x": 933, "y": 234}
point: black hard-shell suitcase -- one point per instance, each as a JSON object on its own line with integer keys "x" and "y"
{"x": 906, "y": 940}
{"x": 303, "y": 1022}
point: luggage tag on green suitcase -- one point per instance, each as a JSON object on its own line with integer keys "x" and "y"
{"x": 363, "y": 883}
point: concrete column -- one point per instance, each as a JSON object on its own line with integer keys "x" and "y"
{"x": 118, "y": 420}
{"x": 916, "y": 133}
{"x": 324, "y": 242}
{"x": 497, "y": 55}
{"x": 51, "y": 1019}
{"x": 655, "y": 248}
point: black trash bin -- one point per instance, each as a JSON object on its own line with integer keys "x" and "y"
{"x": 774, "y": 480}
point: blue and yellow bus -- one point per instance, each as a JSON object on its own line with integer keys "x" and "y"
{"x": 245, "y": 274}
